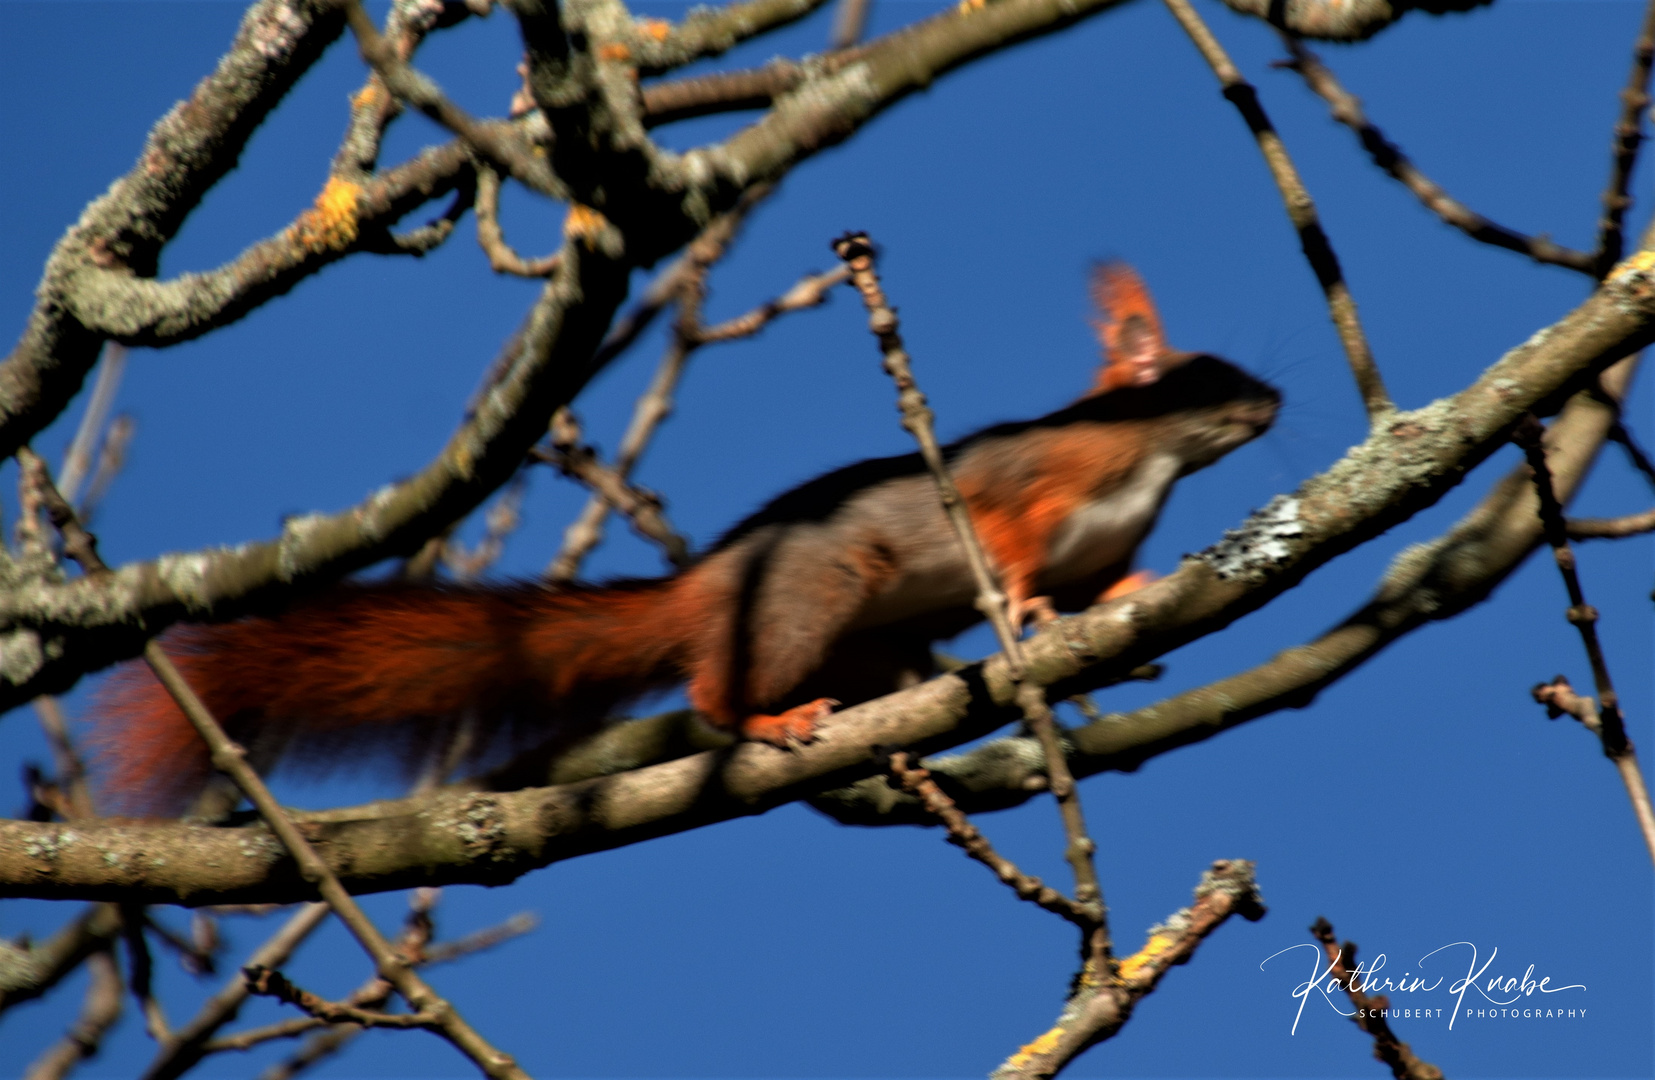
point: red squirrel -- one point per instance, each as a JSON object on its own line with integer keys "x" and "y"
{"x": 831, "y": 592}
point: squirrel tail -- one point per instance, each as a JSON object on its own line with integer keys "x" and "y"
{"x": 400, "y": 669}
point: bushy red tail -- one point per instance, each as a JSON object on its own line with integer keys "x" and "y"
{"x": 388, "y": 670}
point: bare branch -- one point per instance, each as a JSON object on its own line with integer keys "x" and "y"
{"x": 101, "y": 1008}
{"x": 720, "y": 92}
{"x": 123, "y": 231}
{"x": 808, "y": 292}
{"x": 1301, "y": 211}
{"x": 858, "y": 253}
{"x": 684, "y": 284}
{"x": 964, "y": 835}
{"x": 1347, "y": 109}
{"x": 1611, "y": 528}
{"x": 31, "y": 972}
{"x": 849, "y": 22}
{"x": 419, "y": 91}
{"x": 268, "y": 983}
{"x": 1342, "y": 20}
{"x": 1628, "y": 136}
{"x": 1099, "y": 1007}
{"x": 642, "y": 508}
{"x": 493, "y": 240}
{"x": 1370, "y": 1009}
{"x": 189, "y": 1043}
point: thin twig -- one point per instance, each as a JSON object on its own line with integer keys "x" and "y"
{"x": 1370, "y": 1009}
{"x": 71, "y": 770}
{"x": 231, "y": 759}
{"x": 810, "y": 291}
{"x": 190, "y": 1042}
{"x": 111, "y": 459}
{"x": 966, "y": 836}
{"x": 1301, "y": 211}
{"x": 99, "y": 1011}
{"x": 1612, "y": 728}
{"x": 1634, "y": 453}
{"x": 268, "y": 983}
{"x": 849, "y": 22}
{"x": 501, "y": 520}
{"x": 1560, "y": 699}
{"x": 1612, "y": 528}
{"x": 501, "y": 256}
{"x": 683, "y": 284}
{"x": 1628, "y": 136}
{"x": 857, "y": 250}
{"x": 642, "y": 508}
{"x": 419, "y": 91}
{"x": 77, "y": 463}
{"x": 1347, "y": 109}
{"x": 140, "y": 974}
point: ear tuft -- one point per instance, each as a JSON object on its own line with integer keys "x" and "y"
{"x": 1135, "y": 350}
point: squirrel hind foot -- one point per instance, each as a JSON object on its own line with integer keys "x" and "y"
{"x": 796, "y": 725}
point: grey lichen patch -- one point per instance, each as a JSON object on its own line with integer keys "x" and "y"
{"x": 1263, "y": 542}
{"x": 20, "y": 656}
{"x": 273, "y": 29}
{"x": 371, "y": 518}
{"x": 479, "y": 825}
{"x": 258, "y": 845}
{"x": 19, "y": 968}
{"x": 185, "y": 576}
{"x": 296, "y": 549}
{"x": 50, "y": 846}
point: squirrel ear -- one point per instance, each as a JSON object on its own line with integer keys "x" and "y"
{"x": 1135, "y": 350}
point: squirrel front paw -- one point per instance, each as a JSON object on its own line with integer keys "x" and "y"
{"x": 796, "y": 725}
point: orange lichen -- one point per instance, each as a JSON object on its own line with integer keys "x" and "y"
{"x": 1153, "y": 949}
{"x": 330, "y": 223}
{"x": 615, "y": 51}
{"x": 366, "y": 96}
{"x": 1045, "y": 1044}
{"x": 584, "y": 224}
{"x": 655, "y": 28}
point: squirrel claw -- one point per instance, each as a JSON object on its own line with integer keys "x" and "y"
{"x": 1037, "y": 610}
{"x": 796, "y": 725}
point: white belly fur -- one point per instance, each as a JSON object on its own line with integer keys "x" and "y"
{"x": 1107, "y": 531}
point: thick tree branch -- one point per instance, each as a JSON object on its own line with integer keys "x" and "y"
{"x": 1404, "y": 466}
{"x": 187, "y": 152}
{"x": 346, "y": 218}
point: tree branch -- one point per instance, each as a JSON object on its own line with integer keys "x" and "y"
{"x": 1347, "y": 109}
{"x": 1301, "y": 211}
{"x": 1401, "y": 468}
{"x": 1342, "y": 20}
{"x": 187, "y": 152}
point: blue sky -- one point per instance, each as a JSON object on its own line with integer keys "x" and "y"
{"x": 1421, "y": 802}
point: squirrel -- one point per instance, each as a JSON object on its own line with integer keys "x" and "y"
{"x": 832, "y": 592}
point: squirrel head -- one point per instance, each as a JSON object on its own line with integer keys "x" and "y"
{"x": 1202, "y": 406}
